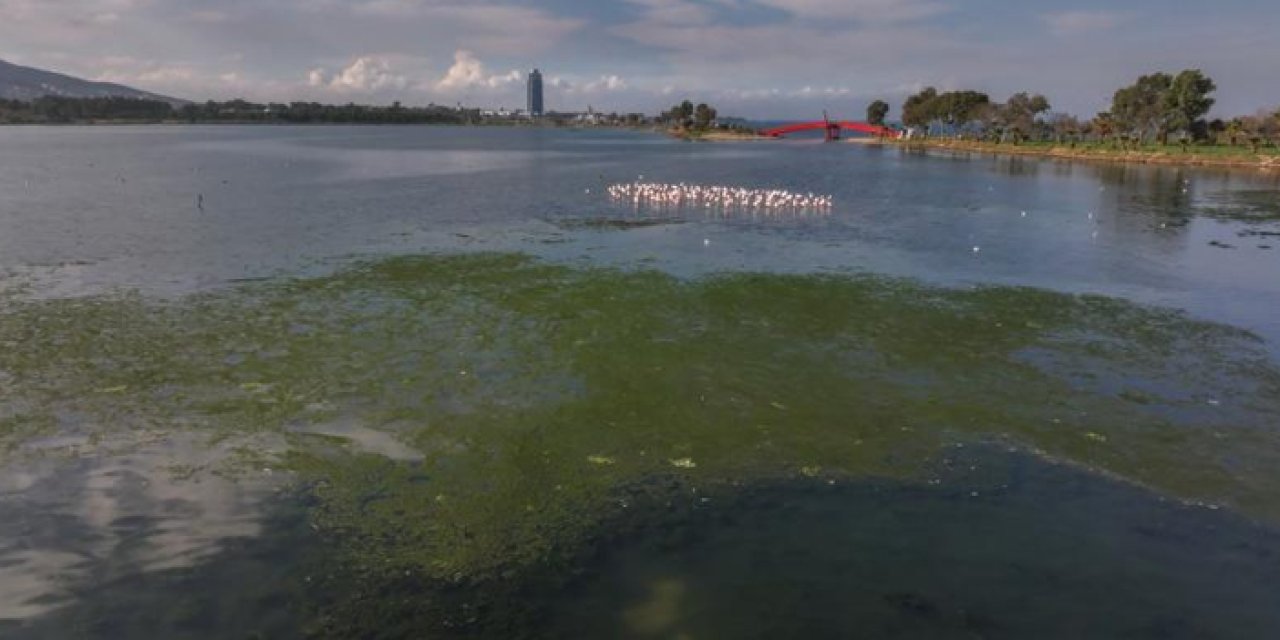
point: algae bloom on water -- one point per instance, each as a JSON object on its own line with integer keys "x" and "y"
{"x": 531, "y": 403}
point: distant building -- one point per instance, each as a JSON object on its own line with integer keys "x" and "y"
{"x": 535, "y": 93}
{"x": 502, "y": 113}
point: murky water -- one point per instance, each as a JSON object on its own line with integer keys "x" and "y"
{"x": 997, "y": 553}
{"x": 422, "y": 381}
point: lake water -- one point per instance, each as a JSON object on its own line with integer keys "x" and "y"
{"x": 417, "y": 381}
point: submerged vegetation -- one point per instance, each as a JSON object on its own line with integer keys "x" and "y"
{"x": 536, "y": 400}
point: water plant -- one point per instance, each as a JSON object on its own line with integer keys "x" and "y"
{"x": 538, "y": 397}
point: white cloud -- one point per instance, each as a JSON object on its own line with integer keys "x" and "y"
{"x": 605, "y": 83}
{"x": 512, "y": 77}
{"x": 710, "y": 50}
{"x": 149, "y": 75}
{"x": 468, "y": 72}
{"x": 609, "y": 83}
{"x": 365, "y": 74}
{"x": 1074, "y": 22}
{"x": 178, "y": 80}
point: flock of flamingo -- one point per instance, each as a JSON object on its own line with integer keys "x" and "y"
{"x": 718, "y": 197}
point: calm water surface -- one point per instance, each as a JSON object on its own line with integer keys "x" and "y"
{"x": 94, "y": 209}
{"x": 656, "y": 424}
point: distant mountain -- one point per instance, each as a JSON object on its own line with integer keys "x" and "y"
{"x": 28, "y": 83}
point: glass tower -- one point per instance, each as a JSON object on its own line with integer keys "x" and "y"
{"x": 535, "y": 93}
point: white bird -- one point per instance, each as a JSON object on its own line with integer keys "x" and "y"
{"x": 678, "y": 195}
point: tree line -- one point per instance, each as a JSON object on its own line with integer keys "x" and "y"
{"x": 1156, "y": 108}
{"x": 61, "y": 110}
{"x": 687, "y": 116}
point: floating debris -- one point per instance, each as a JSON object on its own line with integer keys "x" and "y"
{"x": 684, "y": 463}
{"x": 601, "y": 460}
{"x": 709, "y": 197}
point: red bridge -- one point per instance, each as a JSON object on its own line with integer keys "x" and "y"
{"x": 831, "y": 129}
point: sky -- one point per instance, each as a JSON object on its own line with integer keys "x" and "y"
{"x": 760, "y": 59}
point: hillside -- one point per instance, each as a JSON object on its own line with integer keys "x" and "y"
{"x": 28, "y": 83}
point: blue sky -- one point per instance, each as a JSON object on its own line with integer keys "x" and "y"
{"x": 755, "y": 58}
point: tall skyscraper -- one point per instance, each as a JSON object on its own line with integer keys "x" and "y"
{"x": 535, "y": 93}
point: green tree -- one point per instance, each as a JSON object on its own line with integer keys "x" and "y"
{"x": 703, "y": 116}
{"x": 681, "y": 114}
{"x": 992, "y": 117}
{"x": 1186, "y": 101}
{"x": 958, "y": 108}
{"x": 1104, "y": 125}
{"x": 1234, "y": 130}
{"x": 1216, "y": 128}
{"x": 1021, "y": 112}
{"x": 1065, "y": 127}
{"x": 917, "y": 111}
{"x": 1140, "y": 107}
{"x": 876, "y": 113}
{"x": 953, "y": 108}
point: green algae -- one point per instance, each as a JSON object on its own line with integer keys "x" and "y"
{"x": 534, "y": 392}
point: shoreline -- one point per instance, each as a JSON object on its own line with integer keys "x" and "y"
{"x": 1174, "y": 157}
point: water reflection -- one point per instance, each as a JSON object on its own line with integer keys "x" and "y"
{"x": 991, "y": 544}
{"x": 76, "y": 515}
{"x": 1012, "y": 547}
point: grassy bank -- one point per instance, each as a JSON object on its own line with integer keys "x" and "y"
{"x": 715, "y": 135}
{"x": 1207, "y": 156}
